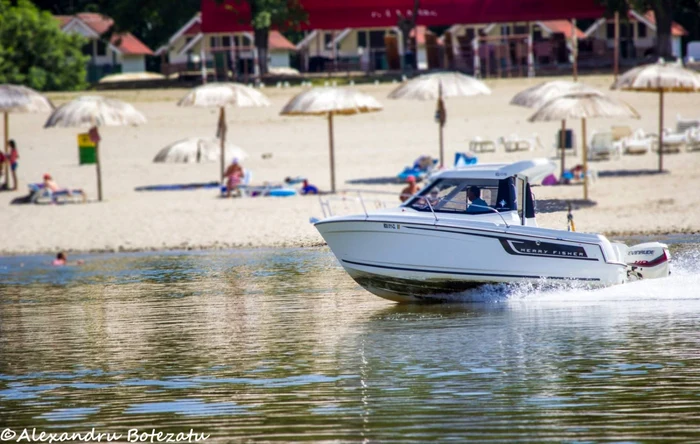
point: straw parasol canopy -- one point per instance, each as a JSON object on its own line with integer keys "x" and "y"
{"x": 583, "y": 106}
{"x": 330, "y": 101}
{"x": 91, "y": 112}
{"x": 221, "y": 95}
{"x": 20, "y": 99}
{"x": 197, "y": 150}
{"x": 538, "y": 95}
{"x": 437, "y": 86}
{"x": 660, "y": 78}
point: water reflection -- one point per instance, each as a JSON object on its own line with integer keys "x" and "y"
{"x": 280, "y": 345}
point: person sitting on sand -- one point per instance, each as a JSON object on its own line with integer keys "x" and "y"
{"x": 307, "y": 188}
{"x": 409, "y": 190}
{"x": 233, "y": 175}
{"x": 62, "y": 259}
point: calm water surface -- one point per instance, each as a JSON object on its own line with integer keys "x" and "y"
{"x": 282, "y": 346}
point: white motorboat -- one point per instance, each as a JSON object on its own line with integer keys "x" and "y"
{"x": 444, "y": 241}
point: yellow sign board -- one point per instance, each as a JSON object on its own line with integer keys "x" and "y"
{"x": 86, "y": 149}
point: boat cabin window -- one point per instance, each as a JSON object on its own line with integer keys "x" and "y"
{"x": 452, "y": 196}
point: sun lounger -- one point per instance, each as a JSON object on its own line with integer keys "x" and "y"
{"x": 602, "y": 146}
{"x": 420, "y": 169}
{"x": 40, "y": 195}
{"x": 479, "y": 145}
{"x": 693, "y": 139}
{"x": 673, "y": 143}
{"x": 683, "y": 125}
{"x": 515, "y": 143}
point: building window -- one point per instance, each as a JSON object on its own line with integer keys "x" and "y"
{"x": 610, "y": 31}
{"x": 520, "y": 30}
{"x": 505, "y": 30}
{"x": 101, "y": 48}
{"x": 214, "y": 42}
{"x": 470, "y": 34}
{"x": 641, "y": 30}
{"x": 376, "y": 39}
{"x": 87, "y": 49}
{"x": 362, "y": 39}
{"x": 226, "y": 41}
{"x": 327, "y": 38}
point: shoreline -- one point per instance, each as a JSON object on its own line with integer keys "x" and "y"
{"x": 286, "y": 245}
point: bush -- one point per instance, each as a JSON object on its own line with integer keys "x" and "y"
{"x": 36, "y": 53}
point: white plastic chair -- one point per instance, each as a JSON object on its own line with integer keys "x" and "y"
{"x": 601, "y": 146}
{"x": 638, "y": 143}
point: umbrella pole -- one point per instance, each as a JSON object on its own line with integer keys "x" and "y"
{"x": 585, "y": 159}
{"x": 99, "y": 172}
{"x": 562, "y": 143}
{"x": 661, "y": 130}
{"x": 222, "y": 117}
{"x": 6, "y": 133}
{"x": 330, "y": 142}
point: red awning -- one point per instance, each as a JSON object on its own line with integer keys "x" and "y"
{"x": 340, "y": 14}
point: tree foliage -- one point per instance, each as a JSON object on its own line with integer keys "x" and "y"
{"x": 35, "y": 52}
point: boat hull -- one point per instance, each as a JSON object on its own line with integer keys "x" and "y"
{"x": 406, "y": 261}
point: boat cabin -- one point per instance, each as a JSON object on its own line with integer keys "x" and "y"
{"x": 481, "y": 190}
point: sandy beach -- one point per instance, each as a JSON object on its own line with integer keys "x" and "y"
{"x": 376, "y": 145}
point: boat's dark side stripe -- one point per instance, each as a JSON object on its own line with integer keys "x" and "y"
{"x": 509, "y": 249}
{"x": 467, "y": 274}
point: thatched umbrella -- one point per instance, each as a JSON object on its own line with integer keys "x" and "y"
{"x": 20, "y": 99}
{"x": 583, "y": 106}
{"x": 92, "y": 112}
{"x": 221, "y": 95}
{"x": 538, "y": 95}
{"x": 330, "y": 102}
{"x": 437, "y": 86}
{"x": 659, "y": 78}
{"x": 196, "y": 150}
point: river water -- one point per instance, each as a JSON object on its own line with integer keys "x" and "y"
{"x": 282, "y": 346}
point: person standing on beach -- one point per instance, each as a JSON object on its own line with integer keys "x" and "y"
{"x": 13, "y": 156}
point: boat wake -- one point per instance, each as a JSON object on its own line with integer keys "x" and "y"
{"x": 685, "y": 277}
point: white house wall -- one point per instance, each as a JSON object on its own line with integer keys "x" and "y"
{"x": 133, "y": 63}
{"x": 279, "y": 59}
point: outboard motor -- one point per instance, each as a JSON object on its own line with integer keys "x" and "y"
{"x": 648, "y": 261}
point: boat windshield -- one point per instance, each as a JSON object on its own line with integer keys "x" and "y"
{"x": 467, "y": 196}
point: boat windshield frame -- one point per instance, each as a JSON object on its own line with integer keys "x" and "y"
{"x": 449, "y": 196}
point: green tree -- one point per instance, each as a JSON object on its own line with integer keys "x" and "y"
{"x": 267, "y": 14}
{"x": 663, "y": 13}
{"x": 35, "y": 52}
{"x": 152, "y": 21}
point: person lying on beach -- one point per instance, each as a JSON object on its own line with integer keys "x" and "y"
{"x": 51, "y": 187}
{"x": 62, "y": 259}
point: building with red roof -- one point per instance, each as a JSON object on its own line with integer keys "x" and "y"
{"x": 121, "y": 53}
{"x": 637, "y": 35}
{"x": 189, "y": 44}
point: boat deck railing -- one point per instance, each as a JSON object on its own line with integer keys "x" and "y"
{"x": 363, "y": 199}
{"x": 489, "y": 209}
{"x": 366, "y": 199}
